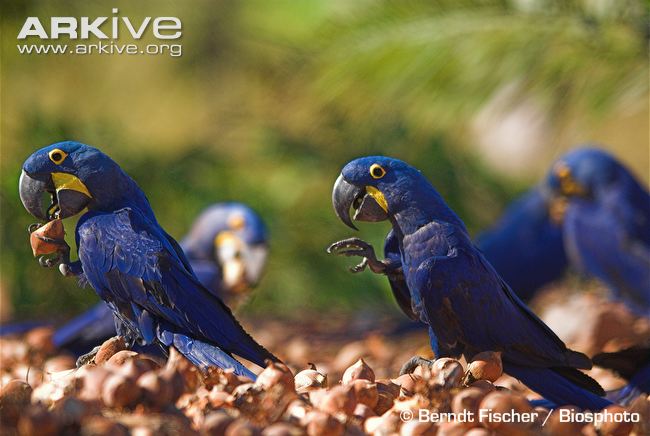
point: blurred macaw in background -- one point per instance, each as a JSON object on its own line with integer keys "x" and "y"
{"x": 605, "y": 215}
{"x": 227, "y": 247}
{"x": 525, "y": 245}
{"x": 452, "y": 287}
{"x": 139, "y": 271}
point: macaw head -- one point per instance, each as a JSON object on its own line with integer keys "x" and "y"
{"x": 63, "y": 179}
{"x": 379, "y": 188}
{"x": 234, "y": 237}
{"x": 583, "y": 173}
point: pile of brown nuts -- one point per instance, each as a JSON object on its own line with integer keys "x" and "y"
{"x": 124, "y": 392}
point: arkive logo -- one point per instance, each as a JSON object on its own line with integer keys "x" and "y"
{"x": 114, "y": 27}
{"x": 114, "y": 35}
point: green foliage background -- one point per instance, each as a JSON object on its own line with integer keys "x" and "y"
{"x": 271, "y": 98}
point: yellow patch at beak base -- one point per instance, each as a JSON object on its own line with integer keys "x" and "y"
{"x": 68, "y": 181}
{"x": 568, "y": 185}
{"x": 378, "y": 196}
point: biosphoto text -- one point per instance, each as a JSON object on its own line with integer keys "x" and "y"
{"x": 107, "y": 35}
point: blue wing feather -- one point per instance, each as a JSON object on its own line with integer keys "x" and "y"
{"x": 128, "y": 259}
{"x": 396, "y": 280}
{"x": 467, "y": 301}
{"x": 471, "y": 309}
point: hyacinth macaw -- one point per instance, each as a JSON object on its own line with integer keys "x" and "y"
{"x": 525, "y": 246}
{"x": 227, "y": 246}
{"x": 606, "y": 222}
{"x": 132, "y": 263}
{"x": 452, "y": 287}
{"x": 633, "y": 364}
{"x": 227, "y": 249}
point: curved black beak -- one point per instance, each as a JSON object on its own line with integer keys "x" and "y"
{"x": 32, "y": 191}
{"x": 344, "y": 195}
{"x": 64, "y": 202}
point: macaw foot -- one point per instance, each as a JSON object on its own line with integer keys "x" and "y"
{"x": 62, "y": 253}
{"x": 49, "y": 262}
{"x": 358, "y": 247}
{"x": 70, "y": 269}
{"x": 413, "y": 363}
{"x": 88, "y": 357}
{"x": 60, "y": 257}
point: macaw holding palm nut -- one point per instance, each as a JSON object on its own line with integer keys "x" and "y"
{"x": 132, "y": 263}
{"x": 227, "y": 249}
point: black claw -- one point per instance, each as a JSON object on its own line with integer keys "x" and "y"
{"x": 61, "y": 257}
{"x": 88, "y": 357}
{"x": 66, "y": 270}
{"x": 49, "y": 262}
{"x": 413, "y": 363}
{"x": 32, "y": 227}
{"x": 360, "y": 267}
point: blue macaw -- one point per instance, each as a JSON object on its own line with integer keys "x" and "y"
{"x": 525, "y": 246}
{"x": 227, "y": 249}
{"x": 452, "y": 287}
{"x": 227, "y": 246}
{"x": 132, "y": 263}
{"x": 606, "y": 222}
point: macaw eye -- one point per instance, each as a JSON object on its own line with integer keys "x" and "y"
{"x": 57, "y": 156}
{"x": 236, "y": 222}
{"x": 377, "y": 171}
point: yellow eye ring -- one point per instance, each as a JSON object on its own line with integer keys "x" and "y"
{"x": 57, "y": 156}
{"x": 377, "y": 171}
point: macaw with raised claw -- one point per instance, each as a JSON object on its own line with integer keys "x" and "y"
{"x": 606, "y": 222}
{"x": 227, "y": 248}
{"x": 525, "y": 247}
{"x": 452, "y": 287}
{"x": 132, "y": 263}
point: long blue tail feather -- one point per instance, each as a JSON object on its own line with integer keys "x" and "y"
{"x": 623, "y": 396}
{"x": 556, "y": 389}
{"x": 202, "y": 354}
